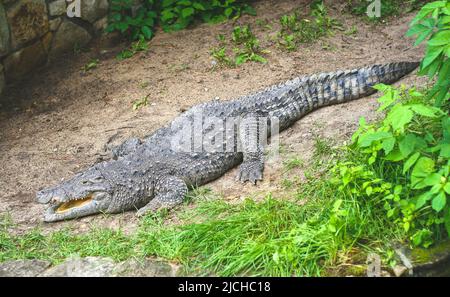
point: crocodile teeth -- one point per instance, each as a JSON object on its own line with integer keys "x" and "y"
{"x": 73, "y": 203}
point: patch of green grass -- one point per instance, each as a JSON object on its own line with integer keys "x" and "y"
{"x": 352, "y": 31}
{"x": 293, "y": 163}
{"x": 301, "y": 236}
{"x": 322, "y": 147}
{"x": 62, "y": 244}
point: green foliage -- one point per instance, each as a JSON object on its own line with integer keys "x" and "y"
{"x": 405, "y": 163}
{"x": 245, "y": 47}
{"x": 432, "y": 23}
{"x": 273, "y": 237}
{"x": 135, "y": 27}
{"x": 296, "y": 30}
{"x": 172, "y": 15}
{"x": 220, "y": 55}
{"x": 178, "y": 14}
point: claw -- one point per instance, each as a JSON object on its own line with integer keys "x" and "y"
{"x": 152, "y": 206}
{"x": 250, "y": 171}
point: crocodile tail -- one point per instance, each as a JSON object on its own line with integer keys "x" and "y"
{"x": 342, "y": 86}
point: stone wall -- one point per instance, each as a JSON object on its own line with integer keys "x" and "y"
{"x": 32, "y": 32}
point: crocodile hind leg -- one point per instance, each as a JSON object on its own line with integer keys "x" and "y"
{"x": 251, "y": 135}
{"x": 169, "y": 192}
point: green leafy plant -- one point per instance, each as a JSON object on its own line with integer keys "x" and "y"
{"x": 135, "y": 27}
{"x": 220, "y": 55}
{"x": 245, "y": 46}
{"x": 296, "y": 30}
{"x": 407, "y": 163}
{"x": 432, "y": 23}
{"x": 172, "y": 15}
{"x": 178, "y": 14}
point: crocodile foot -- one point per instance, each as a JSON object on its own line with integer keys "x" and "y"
{"x": 250, "y": 171}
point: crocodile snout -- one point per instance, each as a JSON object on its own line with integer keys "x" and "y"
{"x": 44, "y": 197}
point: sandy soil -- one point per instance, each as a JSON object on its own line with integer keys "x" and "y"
{"x": 61, "y": 120}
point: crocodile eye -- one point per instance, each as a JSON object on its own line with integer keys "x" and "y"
{"x": 96, "y": 179}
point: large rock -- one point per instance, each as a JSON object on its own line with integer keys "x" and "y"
{"x": 82, "y": 267}
{"x": 144, "y": 267}
{"x": 92, "y": 10}
{"x": 4, "y": 32}
{"x": 100, "y": 25}
{"x": 25, "y": 268}
{"x": 57, "y": 7}
{"x": 54, "y": 24}
{"x": 20, "y": 63}
{"x": 434, "y": 261}
{"x": 67, "y": 36}
{"x": 2, "y": 79}
{"x": 28, "y": 21}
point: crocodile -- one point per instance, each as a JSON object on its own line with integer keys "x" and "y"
{"x": 155, "y": 172}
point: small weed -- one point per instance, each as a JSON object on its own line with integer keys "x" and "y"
{"x": 293, "y": 163}
{"x": 322, "y": 147}
{"x": 179, "y": 67}
{"x": 352, "y": 31}
{"x": 93, "y": 63}
{"x": 250, "y": 49}
{"x": 141, "y": 102}
{"x": 220, "y": 55}
{"x": 263, "y": 24}
{"x": 287, "y": 184}
{"x": 221, "y": 38}
{"x": 137, "y": 46}
{"x": 144, "y": 84}
{"x": 78, "y": 49}
{"x": 328, "y": 47}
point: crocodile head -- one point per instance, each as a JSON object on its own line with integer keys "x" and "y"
{"x": 85, "y": 194}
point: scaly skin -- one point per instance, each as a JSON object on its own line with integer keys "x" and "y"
{"x": 156, "y": 172}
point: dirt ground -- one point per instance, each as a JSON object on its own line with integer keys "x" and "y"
{"x": 61, "y": 119}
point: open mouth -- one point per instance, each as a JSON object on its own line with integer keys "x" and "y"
{"x": 65, "y": 206}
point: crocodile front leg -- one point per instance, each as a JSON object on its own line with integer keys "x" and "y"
{"x": 252, "y": 131}
{"x": 169, "y": 192}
